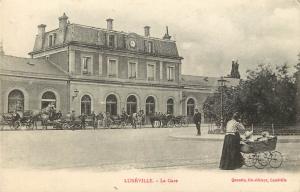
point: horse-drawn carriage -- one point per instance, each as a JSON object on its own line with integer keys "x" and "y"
{"x": 177, "y": 121}
{"x": 17, "y": 120}
{"x": 117, "y": 121}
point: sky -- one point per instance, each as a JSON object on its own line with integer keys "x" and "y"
{"x": 209, "y": 34}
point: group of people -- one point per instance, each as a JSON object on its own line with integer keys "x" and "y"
{"x": 105, "y": 119}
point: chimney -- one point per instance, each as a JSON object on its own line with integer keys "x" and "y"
{"x": 41, "y": 29}
{"x": 147, "y": 31}
{"x": 63, "y": 21}
{"x": 109, "y": 24}
{"x": 167, "y": 36}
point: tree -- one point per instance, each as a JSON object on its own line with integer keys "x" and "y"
{"x": 212, "y": 104}
{"x": 266, "y": 96}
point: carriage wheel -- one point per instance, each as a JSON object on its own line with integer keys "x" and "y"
{"x": 249, "y": 159}
{"x": 16, "y": 125}
{"x": 276, "y": 159}
{"x": 171, "y": 124}
{"x": 261, "y": 160}
{"x": 65, "y": 126}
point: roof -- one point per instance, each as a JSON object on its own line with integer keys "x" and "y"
{"x": 203, "y": 81}
{"x": 29, "y": 66}
{"x": 97, "y": 37}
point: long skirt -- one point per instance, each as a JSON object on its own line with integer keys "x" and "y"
{"x": 231, "y": 156}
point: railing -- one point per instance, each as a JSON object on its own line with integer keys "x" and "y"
{"x": 273, "y": 129}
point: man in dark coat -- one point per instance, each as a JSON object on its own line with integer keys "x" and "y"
{"x": 197, "y": 121}
{"x": 82, "y": 118}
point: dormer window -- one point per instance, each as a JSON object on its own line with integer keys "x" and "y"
{"x": 150, "y": 47}
{"x": 86, "y": 66}
{"x": 52, "y": 40}
{"x": 111, "y": 40}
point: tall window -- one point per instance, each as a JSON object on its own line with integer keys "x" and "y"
{"x": 48, "y": 98}
{"x": 15, "y": 101}
{"x": 151, "y": 72}
{"x": 190, "y": 107}
{"x": 111, "y": 40}
{"x": 170, "y": 106}
{"x": 150, "y": 105}
{"x": 112, "y": 68}
{"x": 86, "y": 65}
{"x": 132, "y": 70}
{"x": 170, "y": 73}
{"x": 86, "y": 105}
{"x": 111, "y": 105}
{"x": 131, "y": 104}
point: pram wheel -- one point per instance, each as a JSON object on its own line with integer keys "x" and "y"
{"x": 276, "y": 159}
{"x": 249, "y": 159}
{"x": 261, "y": 160}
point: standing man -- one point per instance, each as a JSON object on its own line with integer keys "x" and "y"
{"x": 94, "y": 120}
{"x": 73, "y": 118}
{"x": 82, "y": 118}
{"x": 197, "y": 121}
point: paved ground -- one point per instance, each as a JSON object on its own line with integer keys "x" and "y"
{"x": 118, "y": 149}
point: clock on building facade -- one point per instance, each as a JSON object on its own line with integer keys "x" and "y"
{"x": 132, "y": 44}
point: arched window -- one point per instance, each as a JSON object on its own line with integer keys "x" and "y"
{"x": 111, "y": 104}
{"x": 15, "y": 101}
{"x": 170, "y": 106}
{"x": 131, "y": 104}
{"x": 150, "y": 105}
{"x": 48, "y": 98}
{"x": 190, "y": 107}
{"x": 86, "y": 105}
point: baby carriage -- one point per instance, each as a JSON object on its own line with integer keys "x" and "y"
{"x": 261, "y": 152}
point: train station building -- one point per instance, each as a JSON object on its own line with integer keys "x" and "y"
{"x": 87, "y": 69}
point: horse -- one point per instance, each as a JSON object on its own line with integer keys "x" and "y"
{"x": 47, "y": 116}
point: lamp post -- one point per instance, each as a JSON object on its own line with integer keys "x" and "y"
{"x": 222, "y": 82}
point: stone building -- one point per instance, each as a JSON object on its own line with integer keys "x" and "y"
{"x": 86, "y": 69}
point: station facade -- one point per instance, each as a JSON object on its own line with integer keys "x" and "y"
{"x": 87, "y": 69}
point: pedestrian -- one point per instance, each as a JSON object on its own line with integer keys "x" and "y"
{"x": 73, "y": 118}
{"x": 140, "y": 119}
{"x": 100, "y": 118}
{"x": 134, "y": 120}
{"x": 82, "y": 120}
{"x": 94, "y": 120}
{"x": 197, "y": 121}
{"x": 231, "y": 153}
